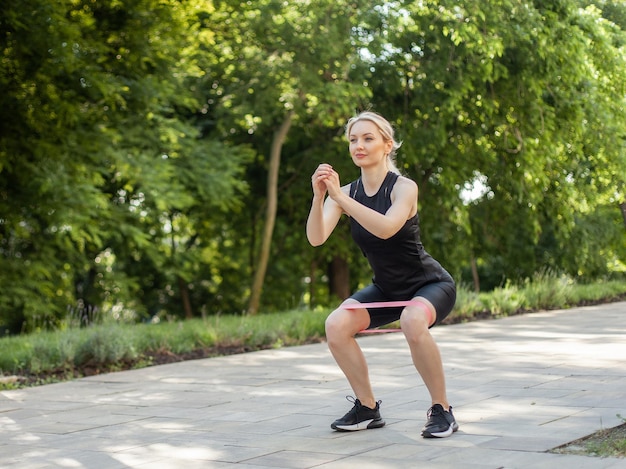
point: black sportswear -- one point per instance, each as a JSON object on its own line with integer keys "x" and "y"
{"x": 401, "y": 265}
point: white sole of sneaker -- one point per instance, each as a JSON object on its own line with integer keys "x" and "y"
{"x": 364, "y": 425}
{"x": 445, "y": 434}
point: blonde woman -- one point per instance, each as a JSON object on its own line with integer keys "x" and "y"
{"x": 382, "y": 206}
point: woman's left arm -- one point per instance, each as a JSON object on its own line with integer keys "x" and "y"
{"x": 384, "y": 226}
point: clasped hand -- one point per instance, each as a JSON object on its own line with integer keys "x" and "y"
{"x": 325, "y": 179}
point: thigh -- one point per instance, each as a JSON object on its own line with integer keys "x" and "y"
{"x": 346, "y": 321}
{"x": 378, "y": 316}
{"x": 442, "y": 295}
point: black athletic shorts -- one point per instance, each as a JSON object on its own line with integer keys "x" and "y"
{"x": 442, "y": 295}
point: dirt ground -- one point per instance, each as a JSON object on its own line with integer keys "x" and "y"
{"x": 610, "y": 442}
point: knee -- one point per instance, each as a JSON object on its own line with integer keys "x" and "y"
{"x": 335, "y": 328}
{"x": 342, "y": 325}
{"x": 331, "y": 326}
{"x": 415, "y": 324}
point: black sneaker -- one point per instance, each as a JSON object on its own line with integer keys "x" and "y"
{"x": 440, "y": 423}
{"x": 359, "y": 418}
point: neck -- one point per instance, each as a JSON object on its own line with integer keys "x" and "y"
{"x": 373, "y": 177}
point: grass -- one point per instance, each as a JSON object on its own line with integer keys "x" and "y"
{"x": 73, "y": 352}
{"x": 76, "y": 351}
{"x": 606, "y": 443}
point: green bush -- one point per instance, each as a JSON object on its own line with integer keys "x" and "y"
{"x": 105, "y": 345}
{"x": 547, "y": 290}
{"x": 603, "y": 290}
{"x": 467, "y": 304}
{"x": 16, "y": 353}
{"x": 503, "y": 301}
{"x": 52, "y": 350}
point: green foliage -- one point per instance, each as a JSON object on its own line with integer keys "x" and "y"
{"x": 611, "y": 447}
{"x": 104, "y": 182}
{"x": 135, "y": 138}
{"x": 104, "y": 346}
{"x": 503, "y": 301}
{"x": 468, "y": 303}
{"x": 548, "y": 291}
{"x": 544, "y": 291}
{"x": 37, "y": 352}
{"x": 177, "y": 337}
{"x": 501, "y": 91}
{"x": 110, "y": 345}
{"x": 594, "y": 292}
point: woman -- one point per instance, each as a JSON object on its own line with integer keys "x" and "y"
{"x": 382, "y": 206}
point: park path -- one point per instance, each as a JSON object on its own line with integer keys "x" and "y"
{"x": 519, "y": 386}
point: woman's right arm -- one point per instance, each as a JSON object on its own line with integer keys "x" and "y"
{"x": 324, "y": 214}
{"x": 323, "y": 219}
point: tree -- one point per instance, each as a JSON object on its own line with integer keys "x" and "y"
{"x": 507, "y": 91}
{"x": 154, "y": 155}
{"x": 281, "y": 67}
{"x": 93, "y": 150}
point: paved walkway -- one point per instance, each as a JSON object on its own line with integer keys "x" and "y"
{"x": 520, "y": 386}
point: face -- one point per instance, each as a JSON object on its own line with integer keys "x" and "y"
{"x": 367, "y": 145}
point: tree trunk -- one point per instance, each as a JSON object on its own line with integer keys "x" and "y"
{"x": 623, "y": 207}
{"x": 270, "y": 214}
{"x": 339, "y": 278}
{"x": 312, "y": 284}
{"x": 184, "y": 294}
{"x": 475, "y": 273}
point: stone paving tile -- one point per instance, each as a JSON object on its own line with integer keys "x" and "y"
{"x": 519, "y": 386}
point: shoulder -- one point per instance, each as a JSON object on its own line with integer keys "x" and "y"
{"x": 405, "y": 192}
{"x": 405, "y": 185}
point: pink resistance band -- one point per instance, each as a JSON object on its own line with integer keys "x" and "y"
{"x": 385, "y": 304}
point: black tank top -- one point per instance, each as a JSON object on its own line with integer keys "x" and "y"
{"x": 401, "y": 265}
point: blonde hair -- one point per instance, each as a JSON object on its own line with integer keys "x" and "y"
{"x": 386, "y": 129}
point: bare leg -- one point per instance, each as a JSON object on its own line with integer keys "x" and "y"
{"x": 341, "y": 327}
{"x": 414, "y": 322}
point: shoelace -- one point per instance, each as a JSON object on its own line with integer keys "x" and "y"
{"x": 355, "y": 409}
{"x": 435, "y": 410}
{"x": 352, "y": 400}
{"x": 357, "y": 403}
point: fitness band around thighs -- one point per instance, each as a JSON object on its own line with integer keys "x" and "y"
{"x": 383, "y": 304}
